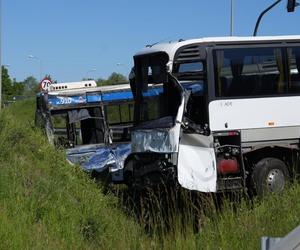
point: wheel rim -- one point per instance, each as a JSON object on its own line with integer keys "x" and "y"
{"x": 275, "y": 180}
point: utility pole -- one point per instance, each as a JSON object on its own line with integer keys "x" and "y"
{"x": 262, "y": 14}
{"x": 291, "y": 5}
{"x": 231, "y": 18}
{"x": 0, "y": 55}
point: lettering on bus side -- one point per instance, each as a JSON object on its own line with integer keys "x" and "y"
{"x": 226, "y": 104}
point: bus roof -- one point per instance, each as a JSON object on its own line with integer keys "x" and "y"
{"x": 171, "y": 47}
{"x": 73, "y": 96}
{"x": 72, "y": 85}
{"x": 67, "y": 92}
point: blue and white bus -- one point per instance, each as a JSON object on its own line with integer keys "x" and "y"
{"x": 92, "y": 123}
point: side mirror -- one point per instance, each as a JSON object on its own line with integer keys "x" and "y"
{"x": 291, "y": 4}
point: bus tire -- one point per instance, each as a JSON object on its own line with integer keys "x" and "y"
{"x": 270, "y": 175}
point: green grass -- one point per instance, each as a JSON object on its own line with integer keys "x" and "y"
{"x": 47, "y": 204}
{"x": 275, "y": 216}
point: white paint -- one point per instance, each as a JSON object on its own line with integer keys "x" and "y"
{"x": 171, "y": 47}
{"x": 270, "y": 134}
{"x": 72, "y": 85}
{"x": 177, "y": 128}
{"x": 254, "y": 113}
{"x": 83, "y": 90}
{"x": 196, "y": 164}
{"x": 197, "y": 168}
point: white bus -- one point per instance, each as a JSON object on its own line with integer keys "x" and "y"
{"x": 239, "y": 130}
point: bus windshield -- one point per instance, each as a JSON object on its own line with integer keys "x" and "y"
{"x": 162, "y": 110}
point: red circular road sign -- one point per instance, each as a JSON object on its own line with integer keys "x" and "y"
{"x": 45, "y": 84}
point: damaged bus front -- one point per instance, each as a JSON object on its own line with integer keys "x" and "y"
{"x": 171, "y": 140}
{"x": 91, "y": 123}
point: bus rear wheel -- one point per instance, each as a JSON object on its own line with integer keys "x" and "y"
{"x": 270, "y": 175}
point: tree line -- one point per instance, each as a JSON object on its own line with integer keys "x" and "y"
{"x": 30, "y": 86}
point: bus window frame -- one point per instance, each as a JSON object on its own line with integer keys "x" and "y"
{"x": 118, "y": 104}
{"x": 211, "y": 74}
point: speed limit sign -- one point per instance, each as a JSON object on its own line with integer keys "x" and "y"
{"x": 45, "y": 84}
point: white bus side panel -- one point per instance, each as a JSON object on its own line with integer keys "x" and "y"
{"x": 271, "y": 112}
{"x": 270, "y": 134}
{"x": 197, "y": 163}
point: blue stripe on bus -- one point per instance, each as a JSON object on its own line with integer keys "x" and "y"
{"x": 66, "y": 100}
{"x": 93, "y": 97}
{"x": 55, "y": 100}
{"x": 153, "y": 92}
{"x": 114, "y": 96}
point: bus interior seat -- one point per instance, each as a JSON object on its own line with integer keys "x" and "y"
{"x": 225, "y": 83}
{"x": 272, "y": 83}
{"x": 269, "y": 83}
{"x": 295, "y": 78}
{"x": 91, "y": 129}
{"x": 241, "y": 85}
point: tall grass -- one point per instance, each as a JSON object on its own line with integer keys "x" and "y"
{"x": 188, "y": 220}
{"x": 46, "y": 203}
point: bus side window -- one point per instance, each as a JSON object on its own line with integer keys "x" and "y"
{"x": 249, "y": 72}
{"x": 294, "y": 70}
{"x": 120, "y": 118}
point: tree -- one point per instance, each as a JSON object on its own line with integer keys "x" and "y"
{"x": 113, "y": 79}
{"x": 116, "y": 78}
{"x": 31, "y": 86}
{"x": 7, "y": 88}
{"x": 18, "y": 87}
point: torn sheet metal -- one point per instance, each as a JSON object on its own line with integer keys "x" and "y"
{"x": 197, "y": 163}
{"x": 47, "y": 125}
{"x": 100, "y": 156}
{"x": 159, "y": 140}
{"x": 195, "y": 87}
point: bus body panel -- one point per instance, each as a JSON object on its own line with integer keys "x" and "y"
{"x": 253, "y": 113}
{"x": 270, "y": 134}
{"x": 197, "y": 163}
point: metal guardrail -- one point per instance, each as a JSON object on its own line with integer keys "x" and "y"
{"x": 289, "y": 242}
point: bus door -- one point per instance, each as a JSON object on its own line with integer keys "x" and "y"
{"x": 196, "y": 156}
{"x": 197, "y": 163}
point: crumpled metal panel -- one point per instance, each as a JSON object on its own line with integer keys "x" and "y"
{"x": 99, "y": 157}
{"x": 158, "y": 140}
{"x": 48, "y": 129}
{"x": 120, "y": 152}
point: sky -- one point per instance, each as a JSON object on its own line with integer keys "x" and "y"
{"x": 76, "y": 39}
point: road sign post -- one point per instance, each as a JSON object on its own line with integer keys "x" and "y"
{"x": 45, "y": 84}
